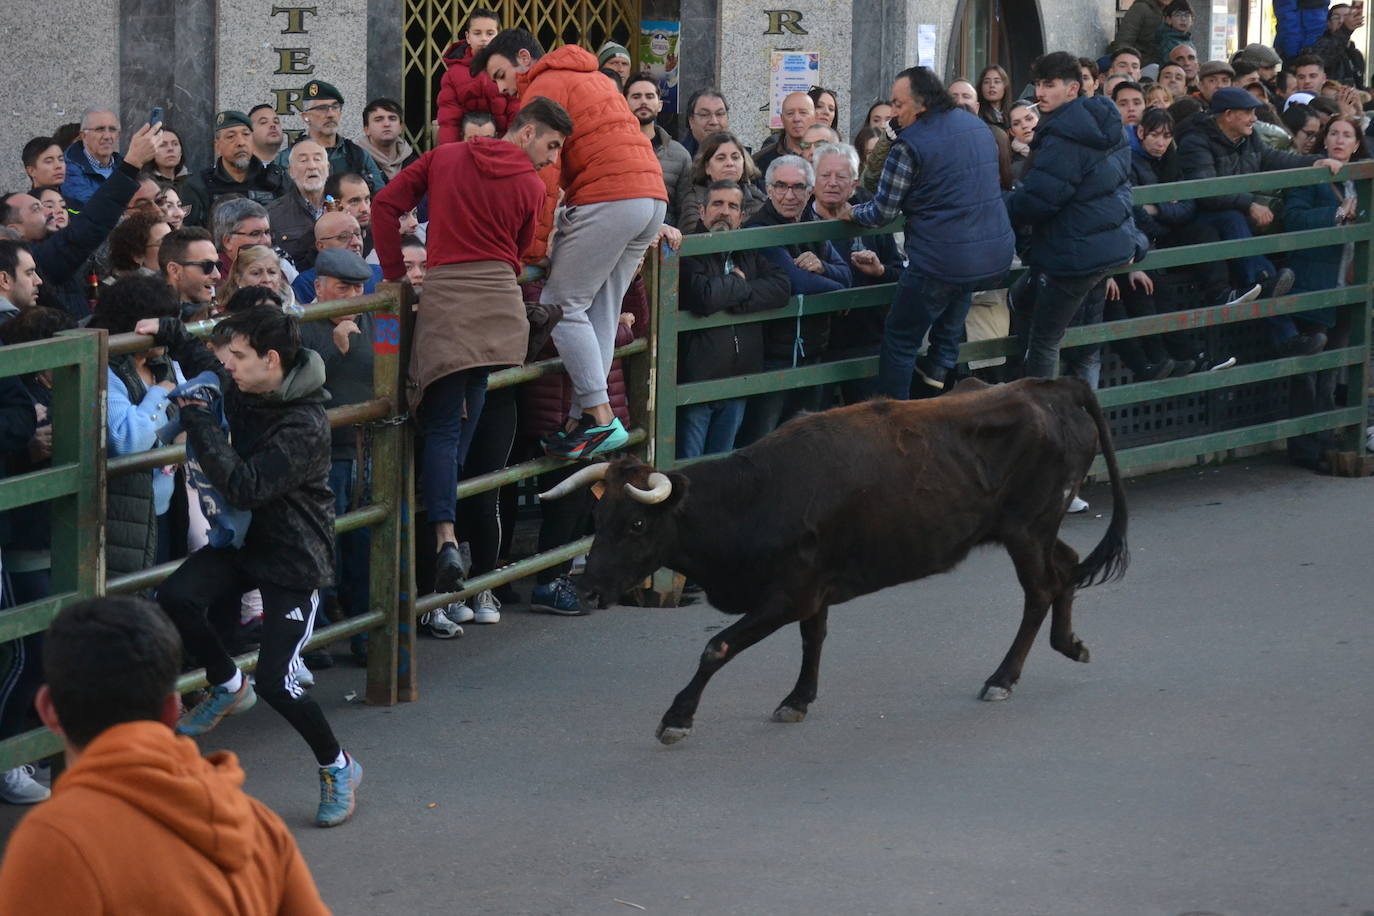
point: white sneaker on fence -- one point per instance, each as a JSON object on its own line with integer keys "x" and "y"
{"x": 18, "y": 787}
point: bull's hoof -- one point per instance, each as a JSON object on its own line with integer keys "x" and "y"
{"x": 992, "y": 693}
{"x": 788, "y": 714}
{"x": 1081, "y": 653}
{"x": 672, "y": 734}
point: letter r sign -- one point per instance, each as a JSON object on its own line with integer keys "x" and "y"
{"x": 778, "y": 20}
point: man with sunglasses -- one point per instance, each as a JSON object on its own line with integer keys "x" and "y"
{"x": 336, "y": 229}
{"x": 236, "y": 170}
{"x": 190, "y": 262}
{"x": 322, "y": 111}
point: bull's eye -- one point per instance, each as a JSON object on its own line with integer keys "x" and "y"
{"x": 637, "y": 525}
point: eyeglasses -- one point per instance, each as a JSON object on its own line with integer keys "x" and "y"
{"x": 342, "y": 237}
{"x": 206, "y": 267}
{"x": 327, "y": 107}
{"x": 255, "y": 234}
{"x": 785, "y": 189}
{"x": 718, "y": 113}
{"x": 101, "y": 130}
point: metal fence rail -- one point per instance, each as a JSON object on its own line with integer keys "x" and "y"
{"x": 74, "y": 484}
{"x": 670, "y": 322}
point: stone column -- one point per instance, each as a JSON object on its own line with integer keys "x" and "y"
{"x": 166, "y": 59}
{"x": 385, "y": 24}
{"x": 269, "y": 49}
{"x": 750, "y": 29}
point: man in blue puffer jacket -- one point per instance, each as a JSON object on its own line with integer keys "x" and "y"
{"x": 1075, "y": 198}
{"x": 1297, "y": 25}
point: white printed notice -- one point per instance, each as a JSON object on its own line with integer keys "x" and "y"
{"x": 789, "y": 72}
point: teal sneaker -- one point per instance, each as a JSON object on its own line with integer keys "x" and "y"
{"x": 206, "y": 714}
{"x": 338, "y": 792}
{"x": 588, "y": 440}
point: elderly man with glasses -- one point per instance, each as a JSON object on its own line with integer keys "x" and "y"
{"x": 322, "y": 111}
{"x": 812, "y": 268}
{"x": 236, "y": 223}
{"x": 336, "y": 229}
{"x": 93, "y": 157}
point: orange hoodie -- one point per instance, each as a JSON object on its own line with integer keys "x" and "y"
{"x": 607, "y": 157}
{"x": 143, "y": 824}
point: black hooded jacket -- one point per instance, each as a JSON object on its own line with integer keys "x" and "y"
{"x": 277, "y": 466}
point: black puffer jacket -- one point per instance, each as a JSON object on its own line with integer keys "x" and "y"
{"x": 1147, "y": 170}
{"x": 709, "y": 287}
{"x": 1206, "y": 152}
{"x": 1075, "y": 195}
{"x": 263, "y": 183}
{"x": 277, "y": 467}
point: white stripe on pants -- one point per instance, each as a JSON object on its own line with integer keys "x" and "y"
{"x": 595, "y": 255}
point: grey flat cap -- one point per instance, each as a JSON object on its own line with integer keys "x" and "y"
{"x": 342, "y": 264}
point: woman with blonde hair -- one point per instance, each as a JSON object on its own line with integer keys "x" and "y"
{"x": 256, "y": 265}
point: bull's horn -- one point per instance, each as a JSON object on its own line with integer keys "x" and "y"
{"x": 588, "y": 475}
{"x": 660, "y": 489}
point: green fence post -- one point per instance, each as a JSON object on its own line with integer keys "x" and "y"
{"x": 663, "y": 345}
{"x": 384, "y": 554}
{"x": 639, "y": 369}
{"x": 78, "y": 424}
{"x": 1357, "y": 378}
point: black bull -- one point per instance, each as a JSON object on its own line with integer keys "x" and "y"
{"x": 839, "y": 504}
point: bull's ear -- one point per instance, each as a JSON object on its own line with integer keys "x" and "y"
{"x": 678, "y": 498}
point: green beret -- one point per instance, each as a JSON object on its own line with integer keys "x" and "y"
{"x": 319, "y": 89}
{"x": 231, "y": 118}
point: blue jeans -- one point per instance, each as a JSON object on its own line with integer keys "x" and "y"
{"x": 708, "y": 429}
{"x": 448, "y": 433}
{"x": 351, "y": 549}
{"x": 1232, "y": 224}
{"x": 922, "y": 304}
{"x": 1086, "y": 362}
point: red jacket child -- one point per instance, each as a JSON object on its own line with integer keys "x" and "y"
{"x": 461, "y": 92}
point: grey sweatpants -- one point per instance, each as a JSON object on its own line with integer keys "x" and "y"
{"x": 595, "y": 254}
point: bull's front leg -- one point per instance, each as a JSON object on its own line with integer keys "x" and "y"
{"x": 725, "y": 645}
{"x": 793, "y": 708}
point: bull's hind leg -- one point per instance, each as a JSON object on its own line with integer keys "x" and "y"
{"x": 793, "y": 708}
{"x": 1033, "y": 569}
{"x": 725, "y": 645}
{"x": 1062, "y": 637}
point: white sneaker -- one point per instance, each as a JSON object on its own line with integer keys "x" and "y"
{"x": 1249, "y": 295}
{"x": 459, "y": 612}
{"x": 1078, "y": 505}
{"x": 20, "y": 788}
{"x": 1369, "y": 439}
{"x": 304, "y": 676}
{"x": 438, "y": 624}
{"x": 488, "y": 608}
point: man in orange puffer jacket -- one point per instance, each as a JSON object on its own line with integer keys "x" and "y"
{"x": 460, "y": 91}
{"x": 614, "y": 205}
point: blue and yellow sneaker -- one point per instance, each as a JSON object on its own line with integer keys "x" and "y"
{"x": 206, "y": 714}
{"x": 338, "y": 792}
{"x": 587, "y": 441}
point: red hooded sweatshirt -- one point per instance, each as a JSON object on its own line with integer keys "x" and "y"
{"x": 143, "y": 824}
{"x": 484, "y": 199}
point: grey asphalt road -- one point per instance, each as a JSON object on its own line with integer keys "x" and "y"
{"x": 1214, "y": 758}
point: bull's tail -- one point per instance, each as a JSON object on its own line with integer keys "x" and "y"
{"x": 1109, "y": 559}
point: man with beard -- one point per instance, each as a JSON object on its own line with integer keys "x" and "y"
{"x": 293, "y": 215}
{"x": 190, "y": 262}
{"x": 739, "y": 282}
{"x": 61, "y": 253}
{"x": 236, "y": 170}
{"x": 322, "y": 114}
{"x": 351, "y": 194}
{"x": 267, "y": 133}
{"x": 641, "y": 93}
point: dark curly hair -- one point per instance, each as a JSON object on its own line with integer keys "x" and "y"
{"x": 127, "y": 300}
{"x": 37, "y": 323}
{"x": 129, "y": 240}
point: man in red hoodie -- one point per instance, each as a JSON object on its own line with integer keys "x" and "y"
{"x": 484, "y": 204}
{"x": 461, "y": 92}
{"x": 140, "y": 822}
{"x": 613, "y": 209}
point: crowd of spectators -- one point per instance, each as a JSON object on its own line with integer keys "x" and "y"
{"x": 558, "y": 165}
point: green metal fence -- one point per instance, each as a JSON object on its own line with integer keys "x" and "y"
{"x": 74, "y": 485}
{"x": 670, "y": 322}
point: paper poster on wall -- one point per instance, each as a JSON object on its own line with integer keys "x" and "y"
{"x": 658, "y": 54}
{"x": 789, "y": 72}
{"x": 925, "y": 46}
{"x": 1220, "y": 16}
